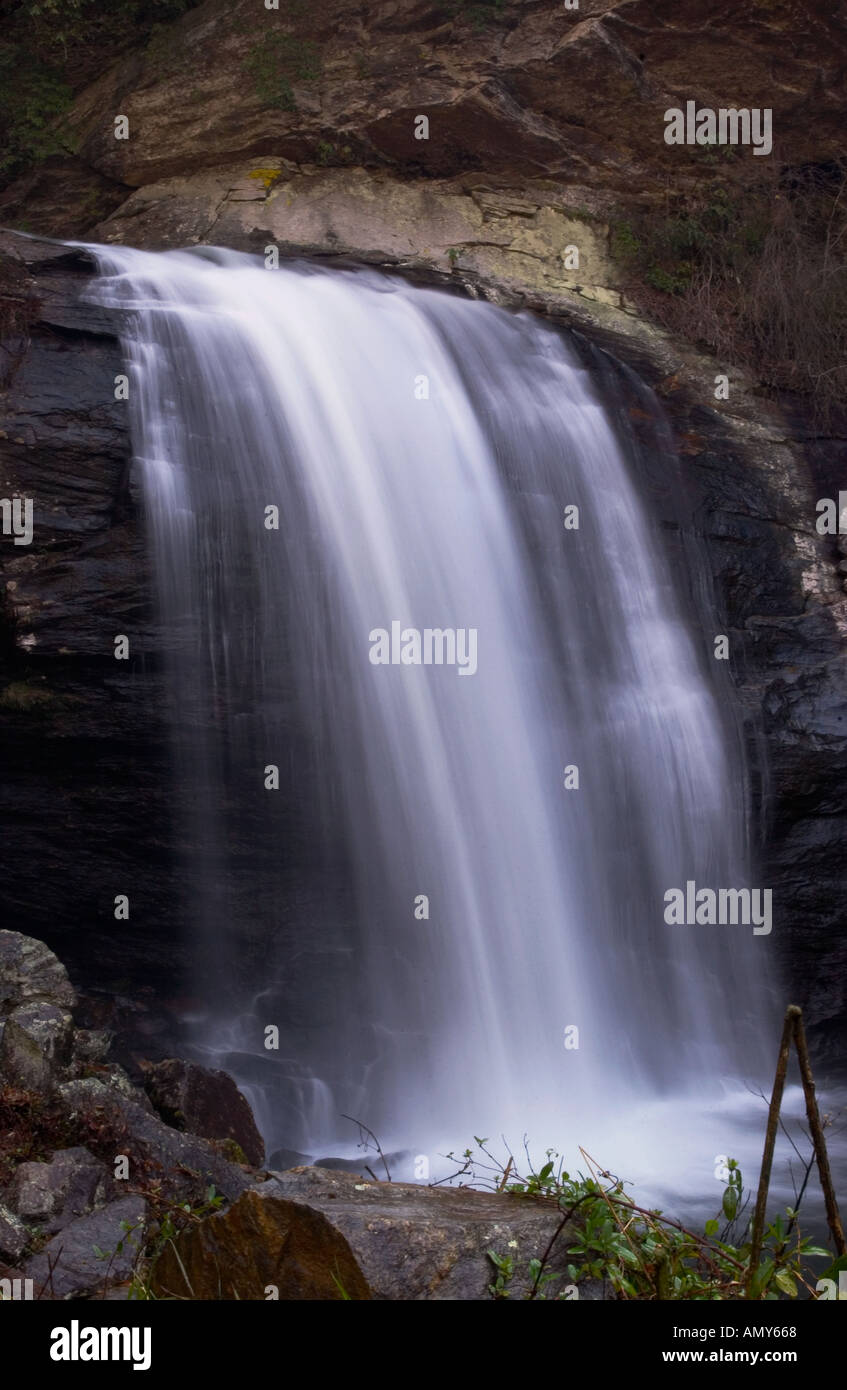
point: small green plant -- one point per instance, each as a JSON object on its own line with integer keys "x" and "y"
{"x": 624, "y": 244}
{"x": 154, "y": 1238}
{"x": 505, "y": 1267}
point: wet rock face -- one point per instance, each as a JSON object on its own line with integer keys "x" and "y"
{"x": 83, "y": 741}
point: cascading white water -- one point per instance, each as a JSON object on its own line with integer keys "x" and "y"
{"x": 421, "y": 449}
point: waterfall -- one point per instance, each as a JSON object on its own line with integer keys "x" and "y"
{"x": 464, "y": 861}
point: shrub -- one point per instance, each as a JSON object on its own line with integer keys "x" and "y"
{"x": 639, "y": 1252}
{"x": 755, "y": 272}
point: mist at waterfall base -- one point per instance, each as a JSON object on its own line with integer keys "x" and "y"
{"x": 421, "y": 449}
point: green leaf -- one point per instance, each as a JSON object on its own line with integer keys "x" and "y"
{"x": 786, "y": 1282}
{"x": 761, "y": 1277}
{"x": 835, "y": 1268}
{"x": 730, "y": 1203}
{"x": 712, "y": 1227}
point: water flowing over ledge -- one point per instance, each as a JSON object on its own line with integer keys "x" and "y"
{"x": 421, "y": 451}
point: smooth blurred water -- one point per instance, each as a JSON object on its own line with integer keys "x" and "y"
{"x": 421, "y": 449}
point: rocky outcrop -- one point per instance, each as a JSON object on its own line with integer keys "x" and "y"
{"x": 108, "y": 1154}
{"x": 415, "y": 1242}
{"x": 536, "y": 89}
{"x": 183, "y": 1165}
{"x": 203, "y": 1102}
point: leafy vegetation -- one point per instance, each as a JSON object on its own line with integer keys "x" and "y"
{"x": 327, "y": 152}
{"x": 636, "y": 1252}
{"x": 168, "y": 1221}
{"x": 152, "y": 1236}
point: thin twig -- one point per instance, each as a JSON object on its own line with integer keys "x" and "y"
{"x": 364, "y": 1130}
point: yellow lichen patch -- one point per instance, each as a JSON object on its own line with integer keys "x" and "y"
{"x": 267, "y": 176}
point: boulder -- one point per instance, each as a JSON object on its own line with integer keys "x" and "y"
{"x": 14, "y": 1236}
{"x": 36, "y": 1046}
{"x": 70, "y": 1266}
{"x": 91, "y": 1045}
{"x": 52, "y": 1195}
{"x": 204, "y": 1102}
{"x": 30, "y": 973}
{"x": 185, "y": 1164}
{"x": 113, "y": 1075}
{"x": 396, "y": 1241}
{"x": 260, "y": 1243}
{"x": 432, "y": 1243}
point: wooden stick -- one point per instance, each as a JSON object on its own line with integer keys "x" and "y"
{"x": 832, "y": 1215}
{"x": 791, "y": 1013}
